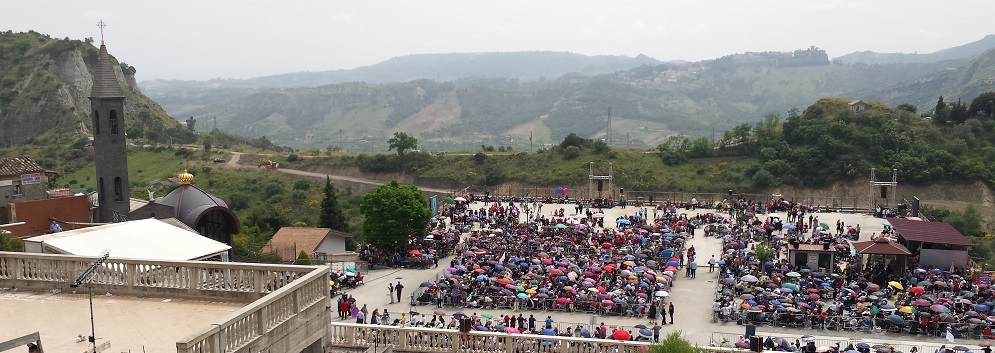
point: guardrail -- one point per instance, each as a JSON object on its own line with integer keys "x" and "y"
{"x": 202, "y": 279}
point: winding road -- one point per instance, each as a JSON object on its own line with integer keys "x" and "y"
{"x": 236, "y": 156}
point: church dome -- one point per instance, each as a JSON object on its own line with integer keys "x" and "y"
{"x": 192, "y": 205}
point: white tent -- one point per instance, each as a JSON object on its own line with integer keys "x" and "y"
{"x": 147, "y": 239}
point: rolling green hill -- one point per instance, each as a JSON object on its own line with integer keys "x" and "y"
{"x": 648, "y": 104}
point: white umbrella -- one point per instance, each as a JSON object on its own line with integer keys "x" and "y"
{"x": 598, "y": 215}
{"x": 661, "y": 294}
{"x": 749, "y": 278}
{"x": 460, "y": 199}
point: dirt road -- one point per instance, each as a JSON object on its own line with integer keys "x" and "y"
{"x": 236, "y": 156}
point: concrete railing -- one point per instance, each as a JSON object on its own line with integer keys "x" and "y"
{"x": 291, "y": 319}
{"x": 196, "y": 279}
{"x": 410, "y": 339}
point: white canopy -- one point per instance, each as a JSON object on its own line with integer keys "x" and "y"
{"x": 147, "y": 239}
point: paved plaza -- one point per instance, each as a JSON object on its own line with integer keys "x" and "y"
{"x": 692, "y": 298}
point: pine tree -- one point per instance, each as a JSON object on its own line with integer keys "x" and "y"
{"x": 331, "y": 213}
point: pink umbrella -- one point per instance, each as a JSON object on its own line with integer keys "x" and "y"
{"x": 511, "y": 330}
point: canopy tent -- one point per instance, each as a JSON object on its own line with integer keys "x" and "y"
{"x": 882, "y": 250}
{"x": 148, "y": 239}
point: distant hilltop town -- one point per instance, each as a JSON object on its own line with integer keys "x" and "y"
{"x": 813, "y": 56}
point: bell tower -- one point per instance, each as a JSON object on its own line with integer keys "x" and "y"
{"x": 110, "y": 153}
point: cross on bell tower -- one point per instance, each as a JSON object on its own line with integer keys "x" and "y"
{"x": 101, "y": 25}
{"x": 109, "y": 145}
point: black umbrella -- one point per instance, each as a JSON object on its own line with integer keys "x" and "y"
{"x": 425, "y": 284}
{"x": 895, "y": 319}
{"x": 863, "y": 345}
{"x": 640, "y": 326}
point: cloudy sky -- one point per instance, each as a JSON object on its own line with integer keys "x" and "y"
{"x": 181, "y": 39}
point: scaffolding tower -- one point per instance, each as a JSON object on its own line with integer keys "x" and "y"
{"x": 888, "y": 189}
{"x": 600, "y": 180}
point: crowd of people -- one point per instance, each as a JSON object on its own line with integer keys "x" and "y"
{"x": 759, "y": 285}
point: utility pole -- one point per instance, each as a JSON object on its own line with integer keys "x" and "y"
{"x": 86, "y": 276}
{"x": 609, "y": 130}
{"x": 531, "y": 147}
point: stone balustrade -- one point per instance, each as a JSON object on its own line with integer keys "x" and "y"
{"x": 195, "y": 279}
{"x": 410, "y": 339}
{"x": 290, "y": 313}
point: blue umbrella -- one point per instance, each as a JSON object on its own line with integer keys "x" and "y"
{"x": 584, "y": 332}
{"x": 644, "y": 285}
{"x": 751, "y": 302}
{"x": 350, "y": 269}
{"x": 548, "y": 332}
{"x": 523, "y": 295}
{"x": 481, "y": 278}
{"x": 981, "y": 307}
{"x": 935, "y": 271}
{"x": 806, "y": 270}
{"x": 623, "y": 221}
{"x": 563, "y": 278}
{"x": 827, "y": 284}
{"x": 789, "y": 226}
{"x": 482, "y": 328}
{"x": 673, "y": 263}
{"x": 499, "y": 268}
{"x": 721, "y": 262}
{"x": 769, "y": 263}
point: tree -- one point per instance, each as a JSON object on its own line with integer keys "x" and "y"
{"x": 8, "y": 243}
{"x": 191, "y": 122}
{"x": 402, "y": 142}
{"x": 967, "y": 222}
{"x": 940, "y": 106}
{"x": 983, "y": 104}
{"x": 573, "y": 140}
{"x": 907, "y": 107}
{"x": 958, "y": 114}
{"x": 303, "y": 259}
{"x": 394, "y": 214}
{"x": 571, "y": 152}
{"x": 331, "y": 214}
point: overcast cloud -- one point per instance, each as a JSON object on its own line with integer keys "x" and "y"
{"x": 249, "y": 38}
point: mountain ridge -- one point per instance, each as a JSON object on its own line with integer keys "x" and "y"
{"x": 971, "y": 49}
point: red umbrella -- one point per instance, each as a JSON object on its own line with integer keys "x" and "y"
{"x": 414, "y": 252}
{"x": 621, "y": 335}
{"x": 917, "y": 290}
{"x": 813, "y": 290}
{"x": 606, "y": 245}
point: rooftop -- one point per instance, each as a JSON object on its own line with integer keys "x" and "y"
{"x": 15, "y": 166}
{"x": 62, "y": 316}
{"x": 881, "y": 246}
{"x": 928, "y": 232}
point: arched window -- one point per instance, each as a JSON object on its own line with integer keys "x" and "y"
{"x": 118, "y": 195}
{"x": 100, "y": 189}
{"x": 113, "y": 122}
{"x": 96, "y": 122}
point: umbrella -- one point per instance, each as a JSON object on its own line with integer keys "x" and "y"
{"x": 511, "y": 330}
{"x": 482, "y": 328}
{"x": 460, "y": 199}
{"x": 746, "y": 296}
{"x": 939, "y": 308}
{"x": 621, "y": 335}
{"x": 584, "y": 332}
{"x": 873, "y": 287}
{"x": 961, "y": 349}
{"x": 981, "y": 307}
{"x": 645, "y": 333}
{"x": 548, "y": 332}
{"x": 793, "y": 274}
{"x": 895, "y": 319}
{"x": 598, "y": 215}
{"x": 808, "y": 338}
{"x": 458, "y": 315}
{"x": 414, "y": 252}
{"x": 985, "y": 344}
{"x": 728, "y": 281}
{"x": 425, "y": 284}
{"x": 896, "y": 285}
{"x": 791, "y": 286}
{"x": 917, "y": 290}
{"x": 749, "y": 278}
{"x": 661, "y": 294}
{"x": 907, "y": 310}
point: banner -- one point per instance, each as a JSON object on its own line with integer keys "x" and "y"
{"x": 33, "y": 178}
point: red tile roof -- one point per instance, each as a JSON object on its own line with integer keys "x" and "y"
{"x": 812, "y": 248}
{"x": 299, "y": 238}
{"x": 881, "y": 246}
{"x": 928, "y": 232}
{"x": 15, "y": 166}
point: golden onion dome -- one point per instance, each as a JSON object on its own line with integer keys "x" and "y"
{"x": 185, "y": 178}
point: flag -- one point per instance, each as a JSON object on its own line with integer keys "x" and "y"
{"x": 501, "y": 261}
{"x": 950, "y": 336}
